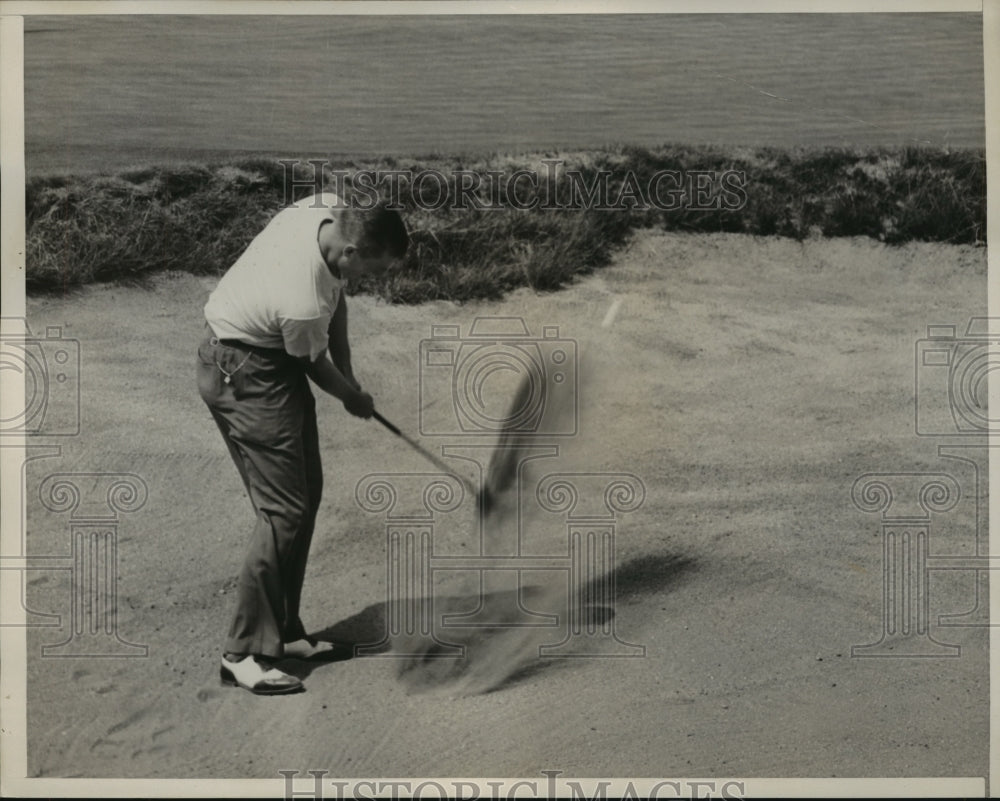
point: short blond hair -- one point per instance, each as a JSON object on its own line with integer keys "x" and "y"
{"x": 375, "y": 231}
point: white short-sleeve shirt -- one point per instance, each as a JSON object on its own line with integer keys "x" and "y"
{"x": 280, "y": 293}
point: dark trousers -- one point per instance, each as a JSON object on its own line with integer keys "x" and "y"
{"x": 267, "y": 415}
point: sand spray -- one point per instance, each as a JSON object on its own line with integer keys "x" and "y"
{"x": 505, "y": 644}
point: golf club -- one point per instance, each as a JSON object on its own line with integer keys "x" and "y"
{"x": 481, "y": 500}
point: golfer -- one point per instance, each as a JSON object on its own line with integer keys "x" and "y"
{"x": 276, "y": 320}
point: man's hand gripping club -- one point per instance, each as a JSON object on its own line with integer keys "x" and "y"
{"x": 327, "y": 377}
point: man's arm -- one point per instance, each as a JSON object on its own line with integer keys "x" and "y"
{"x": 330, "y": 379}
{"x": 340, "y": 349}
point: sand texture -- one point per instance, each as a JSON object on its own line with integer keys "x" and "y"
{"x": 746, "y": 384}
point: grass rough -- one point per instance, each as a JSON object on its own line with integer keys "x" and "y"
{"x": 198, "y": 218}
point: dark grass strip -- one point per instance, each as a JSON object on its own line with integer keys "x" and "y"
{"x": 198, "y": 218}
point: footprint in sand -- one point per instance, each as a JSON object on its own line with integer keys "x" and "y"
{"x": 161, "y": 732}
{"x": 144, "y": 738}
{"x": 132, "y": 719}
{"x": 207, "y": 694}
{"x": 104, "y": 742}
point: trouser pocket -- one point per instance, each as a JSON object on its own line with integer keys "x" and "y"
{"x": 215, "y": 363}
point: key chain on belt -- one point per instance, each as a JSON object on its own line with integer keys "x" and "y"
{"x": 229, "y": 376}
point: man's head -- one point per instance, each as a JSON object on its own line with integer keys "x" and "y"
{"x": 364, "y": 241}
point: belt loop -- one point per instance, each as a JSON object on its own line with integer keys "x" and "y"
{"x": 213, "y": 340}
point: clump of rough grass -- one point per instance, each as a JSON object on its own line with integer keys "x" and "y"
{"x": 485, "y": 254}
{"x": 126, "y": 227}
{"x": 199, "y": 218}
{"x": 893, "y": 195}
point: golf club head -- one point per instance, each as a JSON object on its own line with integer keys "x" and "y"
{"x": 484, "y": 502}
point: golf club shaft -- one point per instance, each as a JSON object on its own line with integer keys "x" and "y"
{"x": 424, "y": 452}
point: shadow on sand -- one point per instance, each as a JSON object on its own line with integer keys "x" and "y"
{"x": 489, "y": 657}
